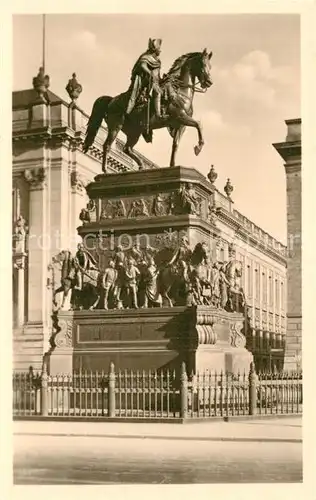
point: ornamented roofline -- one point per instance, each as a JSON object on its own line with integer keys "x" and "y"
{"x": 118, "y": 161}
{"x": 56, "y": 101}
{"x": 254, "y": 235}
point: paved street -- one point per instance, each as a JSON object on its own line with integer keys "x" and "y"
{"x": 195, "y": 455}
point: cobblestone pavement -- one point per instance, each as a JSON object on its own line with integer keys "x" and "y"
{"x": 55, "y": 459}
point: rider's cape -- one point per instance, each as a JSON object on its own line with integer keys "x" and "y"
{"x": 139, "y": 77}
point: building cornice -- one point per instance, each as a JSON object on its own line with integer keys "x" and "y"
{"x": 288, "y": 150}
{"x": 248, "y": 237}
{"x": 65, "y": 136}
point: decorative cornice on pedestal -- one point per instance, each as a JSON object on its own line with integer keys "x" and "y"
{"x": 36, "y": 177}
{"x": 205, "y": 335}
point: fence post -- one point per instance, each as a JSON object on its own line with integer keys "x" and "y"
{"x": 252, "y": 390}
{"x": 183, "y": 391}
{"x": 44, "y": 391}
{"x": 111, "y": 392}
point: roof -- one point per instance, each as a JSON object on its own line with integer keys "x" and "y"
{"x": 23, "y": 98}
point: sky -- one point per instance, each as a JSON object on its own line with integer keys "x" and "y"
{"x": 256, "y": 87}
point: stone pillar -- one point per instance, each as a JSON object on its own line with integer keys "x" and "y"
{"x": 290, "y": 151}
{"x": 37, "y": 314}
{"x": 59, "y": 203}
{"x": 78, "y": 201}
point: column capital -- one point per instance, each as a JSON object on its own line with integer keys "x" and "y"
{"x": 19, "y": 261}
{"x": 36, "y": 177}
{"x": 77, "y": 183}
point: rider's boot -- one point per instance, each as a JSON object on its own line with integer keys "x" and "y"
{"x": 157, "y": 103}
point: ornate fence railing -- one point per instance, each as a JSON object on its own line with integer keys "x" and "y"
{"x": 156, "y": 395}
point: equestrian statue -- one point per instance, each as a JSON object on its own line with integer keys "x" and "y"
{"x": 153, "y": 102}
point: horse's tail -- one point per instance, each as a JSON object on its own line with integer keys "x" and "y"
{"x": 99, "y": 112}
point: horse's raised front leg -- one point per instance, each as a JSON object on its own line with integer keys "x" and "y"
{"x": 188, "y": 121}
{"x": 176, "y": 140}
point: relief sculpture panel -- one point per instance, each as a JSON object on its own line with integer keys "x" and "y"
{"x": 182, "y": 201}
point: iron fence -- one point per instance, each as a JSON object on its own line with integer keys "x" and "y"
{"x": 156, "y": 395}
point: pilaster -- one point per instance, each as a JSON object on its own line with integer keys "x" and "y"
{"x": 290, "y": 151}
{"x": 78, "y": 200}
{"x": 37, "y": 179}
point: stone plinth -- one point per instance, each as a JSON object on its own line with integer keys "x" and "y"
{"x": 149, "y": 339}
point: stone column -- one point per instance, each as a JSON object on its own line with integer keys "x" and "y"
{"x": 290, "y": 151}
{"x": 19, "y": 270}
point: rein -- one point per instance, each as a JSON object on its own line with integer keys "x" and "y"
{"x": 177, "y": 82}
{"x": 194, "y": 88}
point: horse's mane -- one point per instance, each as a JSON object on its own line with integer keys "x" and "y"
{"x": 180, "y": 61}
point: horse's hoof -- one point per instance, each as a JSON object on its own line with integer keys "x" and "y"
{"x": 197, "y": 150}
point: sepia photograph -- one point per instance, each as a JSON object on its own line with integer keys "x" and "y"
{"x": 156, "y": 249}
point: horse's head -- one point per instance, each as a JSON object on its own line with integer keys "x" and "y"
{"x": 62, "y": 256}
{"x": 197, "y": 63}
{"x": 202, "y": 69}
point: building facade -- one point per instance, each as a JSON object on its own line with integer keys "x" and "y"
{"x": 50, "y": 172}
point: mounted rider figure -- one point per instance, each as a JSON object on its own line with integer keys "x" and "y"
{"x": 146, "y": 79}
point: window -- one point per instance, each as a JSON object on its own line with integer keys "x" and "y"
{"x": 257, "y": 284}
{"x": 277, "y": 294}
{"x": 264, "y": 288}
{"x": 249, "y": 280}
{"x": 270, "y": 290}
{"x": 282, "y": 296}
{"x": 222, "y": 254}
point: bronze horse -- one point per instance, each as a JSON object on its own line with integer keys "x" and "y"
{"x": 172, "y": 280}
{"x": 87, "y": 297}
{"x": 178, "y": 86}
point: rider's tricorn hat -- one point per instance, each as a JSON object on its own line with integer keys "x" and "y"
{"x": 154, "y": 43}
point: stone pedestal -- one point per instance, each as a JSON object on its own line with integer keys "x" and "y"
{"x": 149, "y": 339}
{"x": 162, "y": 215}
{"x": 60, "y": 359}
